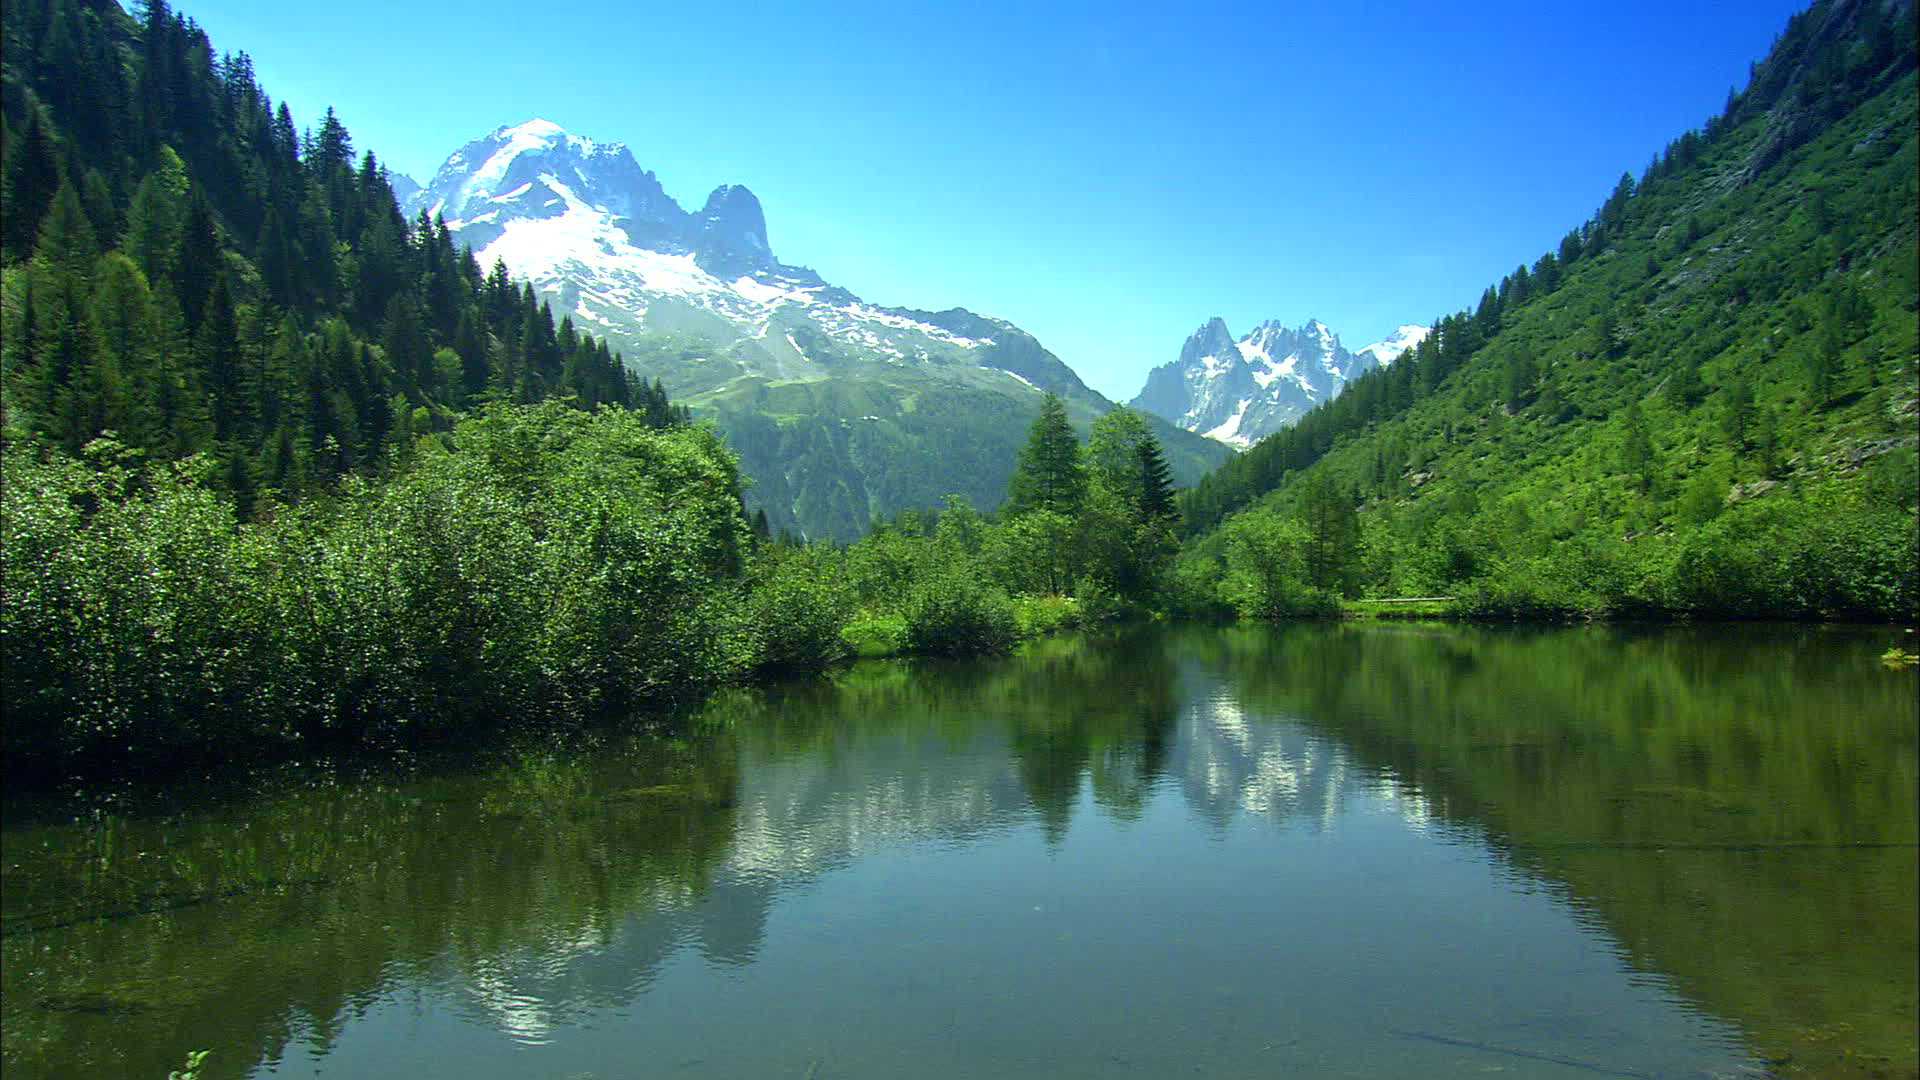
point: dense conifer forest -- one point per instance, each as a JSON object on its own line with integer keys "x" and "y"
{"x": 188, "y": 270}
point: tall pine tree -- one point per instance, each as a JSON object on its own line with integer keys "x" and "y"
{"x": 1049, "y": 475}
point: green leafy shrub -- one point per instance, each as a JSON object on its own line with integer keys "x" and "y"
{"x": 798, "y": 610}
{"x": 549, "y": 563}
{"x": 1267, "y": 569}
{"x": 1038, "y": 616}
{"x": 872, "y": 634}
{"x": 953, "y": 614}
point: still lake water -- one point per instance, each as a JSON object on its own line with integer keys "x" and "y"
{"x": 1370, "y": 851}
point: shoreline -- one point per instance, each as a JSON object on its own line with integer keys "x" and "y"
{"x": 34, "y": 780}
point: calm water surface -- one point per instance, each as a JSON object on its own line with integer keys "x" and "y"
{"x": 1343, "y": 851}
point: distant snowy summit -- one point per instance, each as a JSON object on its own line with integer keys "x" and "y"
{"x": 1402, "y": 340}
{"x": 1240, "y": 391}
{"x": 533, "y": 190}
{"x": 589, "y": 228}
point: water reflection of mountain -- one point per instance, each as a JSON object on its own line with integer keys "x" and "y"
{"x": 533, "y": 895}
{"x": 1712, "y": 798}
{"x": 892, "y": 757}
{"x": 795, "y": 814}
{"x": 1230, "y": 764}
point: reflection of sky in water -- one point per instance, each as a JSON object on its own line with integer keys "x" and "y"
{"x": 1361, "y": 851}
{"x": 1273, "y": 905}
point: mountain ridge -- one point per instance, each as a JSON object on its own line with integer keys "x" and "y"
{"x": 1237, "y": 391}
{"x": 698, "y": 300}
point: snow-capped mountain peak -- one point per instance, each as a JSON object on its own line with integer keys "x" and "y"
{"x": 830, "y": 400}
{"x": 1238, "y": 391}
{"x": 586, "y": 226}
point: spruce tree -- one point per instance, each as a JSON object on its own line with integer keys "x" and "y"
{"x": 1156, "y": 482}
{"x": 1823, "y": 365}
{"x": 198, "y": 263}
{"x": 1737, "y": 414}
{"x": 157, "y": 220}
{"x": 1332, "y": 530}
{"x": 1636, "y": 449}
{"x": 1769, "y": 445}
{"x": 1049, "y": 475}
{"x": 216, "y": 345}
{"x": 473, "y": 356}
{"x": 409, "y": 350}
{"x": 178, "y": 399}
{"x": 32, "y": 177}
{"x": 121, "y": 317}
{"x": 1684, "y": 387}
{"x": 60, "y": 283}
{"x": 67, "y": 245}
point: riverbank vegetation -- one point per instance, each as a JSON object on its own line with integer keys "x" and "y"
{"x": 538, "y": 563}
{"x": 283, "y": 468}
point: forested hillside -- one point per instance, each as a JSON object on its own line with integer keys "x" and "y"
{"x": 281, "y": 470}
{"x": 187, "y": 269}
{"x": 1702, "y": 402}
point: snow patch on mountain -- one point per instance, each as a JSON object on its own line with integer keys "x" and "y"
{"x": 1024, "y": 381}
{"x": 1229, "y": 432}
{"x": 1386, "y": 351}
{"x": 761, "y": 292}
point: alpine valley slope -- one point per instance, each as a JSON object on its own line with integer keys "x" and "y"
{"x": 841, "y": 410}
{"x": 1242, "y": 391}
{"x": 1702, "y": 403}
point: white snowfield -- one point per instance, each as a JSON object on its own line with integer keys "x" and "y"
{"x": 1229, "y": 432}
{"x": 1402, "y": 339}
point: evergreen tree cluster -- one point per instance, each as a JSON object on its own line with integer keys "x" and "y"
{"x": 1096, "y": 519}
{"x": 1700, "y": 404}
{"x": 1831, "y": 59}
{"x": 186, "y": 269}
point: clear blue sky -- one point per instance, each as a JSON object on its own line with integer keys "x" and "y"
{"x": 1106, "y": 176}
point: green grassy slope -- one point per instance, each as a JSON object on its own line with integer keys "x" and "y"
{"x": 1704, "y": 402}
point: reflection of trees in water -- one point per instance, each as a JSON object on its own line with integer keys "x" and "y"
{"x": 538, "y": 892}
{"x": 535, "y": 894}
{"x": 892, "y": 753}
{"x": 273, "y": 923}
{"x": 1736, "y": 805}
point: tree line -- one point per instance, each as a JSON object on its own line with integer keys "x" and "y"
{"x": 1819, "y": 77}
{"x": 186, "y": 270}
